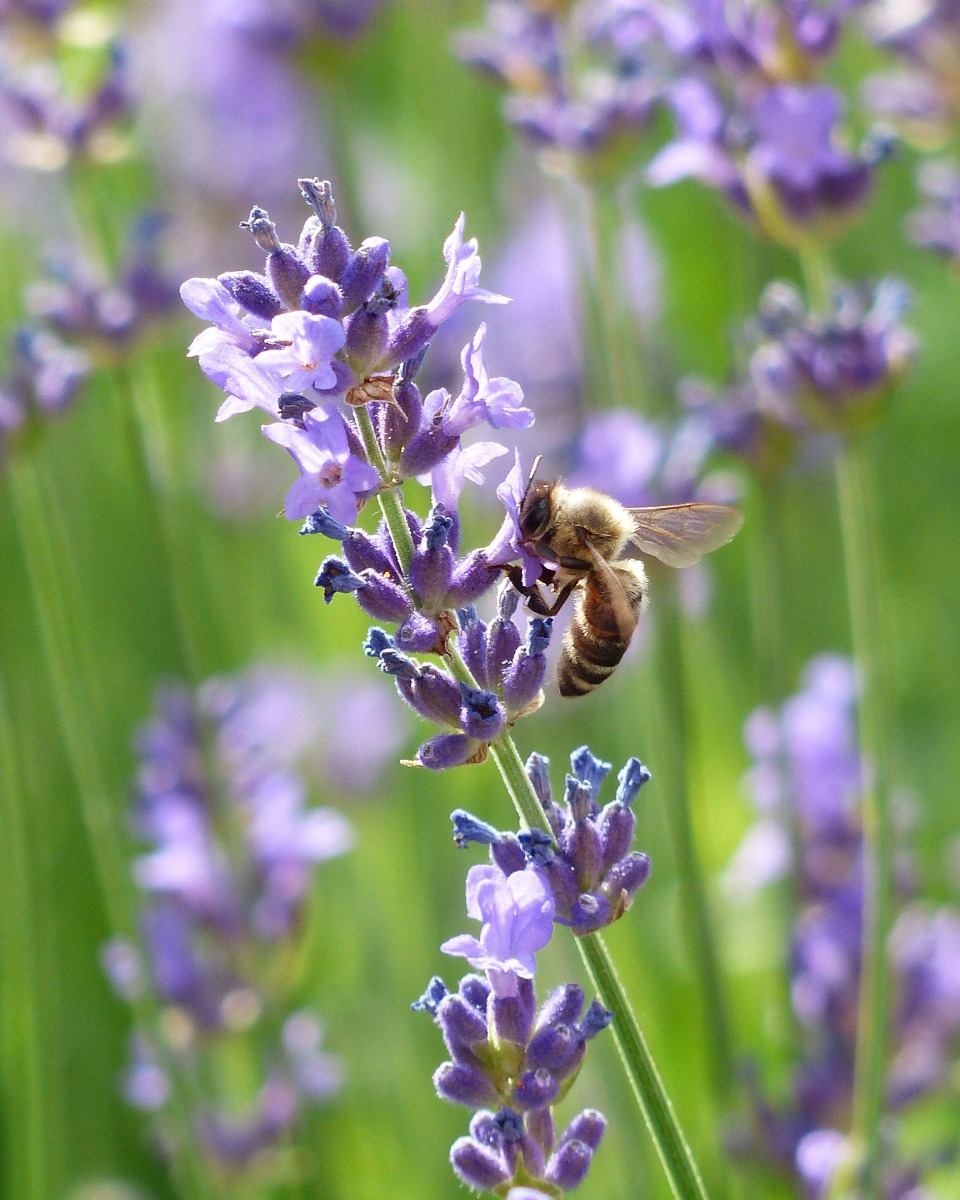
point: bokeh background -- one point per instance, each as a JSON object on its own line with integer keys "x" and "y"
{"x": 143, "y": 546}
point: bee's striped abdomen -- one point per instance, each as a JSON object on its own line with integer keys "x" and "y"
{"x": 595, "y": 643}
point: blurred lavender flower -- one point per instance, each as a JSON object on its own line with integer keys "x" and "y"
{"x": 807, "y": 376}
{"x": 808, "y": 776}
{"x": 920, "y": 97}
{"x": 507, "y": 1060}
{"x": 583, "y": 79}
{"x": 936, "y": 225}
{"x": 232, "y": 848}
{"x": 343, "y": 18}
{"x": 42, "y": 379}
{"x": 775, "y": 154}
{"x": 47, "y": 123}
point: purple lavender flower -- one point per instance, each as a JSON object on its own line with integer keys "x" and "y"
{"x": 936, "y": 225}
{"x": 49, "y": 122}
{"x": 517, "y": 916}
{"x": 507, "y": 1060}
{"x": 808, "y": 775}
{"x": 343, "y": 19}
{"x": 330, "y": 473}
{"x": 233, "y": 846}
{"x": 582, "y": 84}
{"x": 777, "y": 158}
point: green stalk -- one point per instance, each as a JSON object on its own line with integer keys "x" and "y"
{"x": 859, "y": 520}
{"x": 51, "y": 581}
{"x": 642, "y": 1075}
{"x": 24, "y": 1047}
{"x": 665, "y": 713}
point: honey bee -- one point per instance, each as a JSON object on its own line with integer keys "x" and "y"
{"x": 593, "y": 542}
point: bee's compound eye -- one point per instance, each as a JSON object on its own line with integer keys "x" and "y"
{"x": 536, "y": 516}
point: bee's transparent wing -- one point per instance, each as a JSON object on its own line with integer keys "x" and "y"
{"x": 680, "y": 534}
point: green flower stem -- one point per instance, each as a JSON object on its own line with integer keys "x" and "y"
{"x": 856, "y": 497}
{"x": 666, "y": 719}
{"x": 24, "y": 1051}
{"x": 642, "y": 1075}
{"x": 51, "y": 581}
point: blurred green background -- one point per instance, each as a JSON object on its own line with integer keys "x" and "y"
{"x": 418, "y": 138}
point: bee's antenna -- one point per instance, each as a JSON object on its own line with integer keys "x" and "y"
{"x": 533, "y": 473}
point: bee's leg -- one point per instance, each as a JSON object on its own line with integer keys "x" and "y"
{"x": 562, "y": 597}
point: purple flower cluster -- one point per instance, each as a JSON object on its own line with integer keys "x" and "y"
{"x": 583, "y": 79}
{"x": 920, "y": 94}
{"x": 935, "y": 225}
{"x": 232, "y": 846}
{"x": 508, "y": 1060}
{"x": 326, "y": 325}
{"x": 48, "y": 124}
{"x": 508, "y": 669}
{"x": 808, "y": 773}
{"x": 80, "y": 319}
{"x": 806, "y": 374}
{"x": 753, "y": 123}
{"x": 585, "y": 857}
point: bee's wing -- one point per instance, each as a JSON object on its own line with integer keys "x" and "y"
{"x": 680, "y": 534}
{"x": 623, "y": 612}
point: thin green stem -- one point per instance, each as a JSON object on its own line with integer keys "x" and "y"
{"x": 25, "y": 1047}
{"x": 665, "y": 710}
{"x": 51, "y": 582}
{"x": 817, "y": 277}
{"x": 859, "y": 520}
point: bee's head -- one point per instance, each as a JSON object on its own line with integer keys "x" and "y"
{"x": 536, "y": 508}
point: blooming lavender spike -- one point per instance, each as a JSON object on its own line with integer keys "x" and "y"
{"x": 214, "y": 762}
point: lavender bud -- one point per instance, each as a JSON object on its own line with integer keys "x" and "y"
{"x": 437, "y": 696}
{"x": 478, "y": 1167}
{"x": 537, "y": 846}
{"x": 628, "y": 875}
{"x": 615, "y": 828}
{"x": 539, "y": 1123}
{"x": 578, "y": 797}
{"x": 568, "y": 1167}
{"x": 382, "y": 598}
{"x": 538, "y": 772}
{"x": 363, "y": 554}
{"x": 322, "y": 297}
{"x": 335, "y": 576}
{"x": 366, "y": 337}
{"x": 429, "y": 1002}
{"x": 587, "y": 1127}
{"x": 562, "y": 1007}
{"x": 411, "y": 336}
{"x": 253, "y": 293}
{"x": 513, "y": 1015}
{"x": 471, "y": 578}
{"x": 589, "y": 913}
{"x": 362, "y": 273}
{"x": 425, "y": 449}
{"x": 481, "y": 714}
{"x": 588, "y": 769}
{"x": 330, "y": 250}
{"x": 286, "y": 272}
{"x": 398, "y": 665}
{"x": 431, "y": 568}
{"x": 420, "y": 635}
{"x": 508, "y": 855}
{"x": 523, "y": 681}
{"x": 476, "y": 991}
{"x": 377, "y": 641}
{"x": 463, "y": 1084}
{"x": 556, "y": 1049}
{"x": 630, "y": 780}
{"x": 468, "y": 828}
{"x": 472, "y": 644}
{"x": 597, "y": 1018}
{"x": 535, "y": 1089}
{"x": 321, "y": 522}
{"x": 584, "y": 850}
{"x": 462, "y": 1027}
{"x": 446, "y": 750}
{"x": 503, "y": 641}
